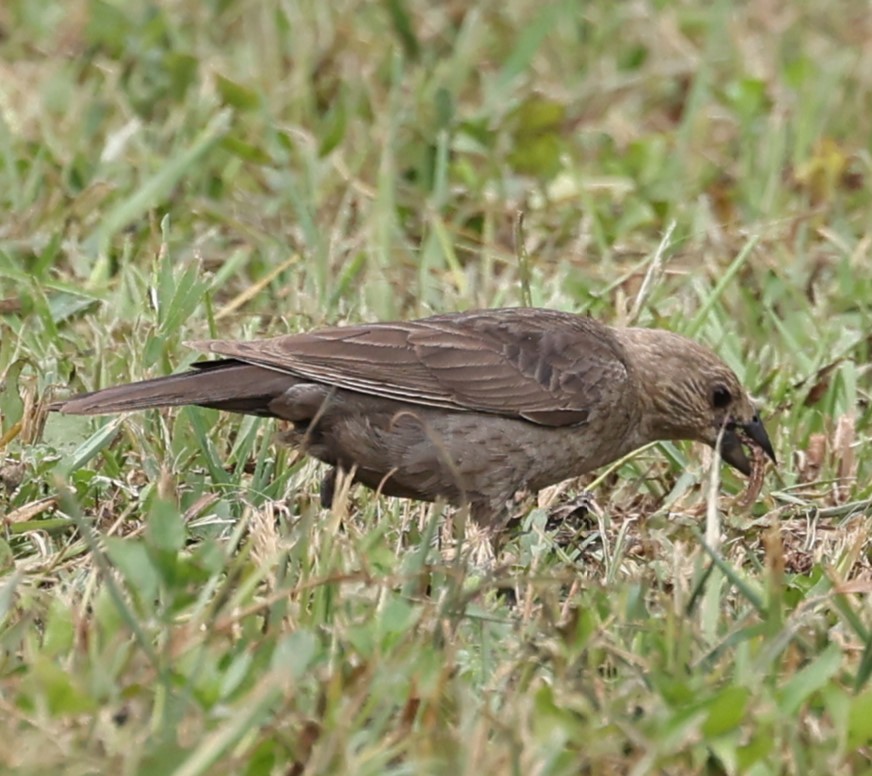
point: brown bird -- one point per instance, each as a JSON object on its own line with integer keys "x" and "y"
{"x": 470, "y": 407}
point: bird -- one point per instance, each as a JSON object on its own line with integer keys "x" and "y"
{"x": 470, "y": 407}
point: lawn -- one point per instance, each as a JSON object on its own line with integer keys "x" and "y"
{"x": 173, "y": 598}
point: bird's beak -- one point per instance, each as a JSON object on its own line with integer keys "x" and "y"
{"x": 736, "y": 435}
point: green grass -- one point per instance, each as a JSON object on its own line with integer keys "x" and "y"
{"x": 173, "y": 599}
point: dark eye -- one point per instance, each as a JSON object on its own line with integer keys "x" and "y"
{"x": 721, "y": 396}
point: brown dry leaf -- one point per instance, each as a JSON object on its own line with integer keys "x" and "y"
{"x": 812, "y": 460}
{"x": 843, "y": 454}
{"x": 858, "y": 586}
{"x": 29, "y": 511}
{"x": 166, "y": 486}
{"x": 798, "y": 561}
{"x": 200, "y": 505}
{"x": 34, "y": 416}
{"x": 722, "y": 194}
{"x": 12, "y": 474}
{"x": 10, "y": 305}
{"x": 774, "y": 552}
{"x": 836, "y": 451}
{"x": 821, "y": 383}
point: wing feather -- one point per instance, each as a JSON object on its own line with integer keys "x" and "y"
{"x": 545, "y": 366}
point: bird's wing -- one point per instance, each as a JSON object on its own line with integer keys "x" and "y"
{"x": 547, "y": 367}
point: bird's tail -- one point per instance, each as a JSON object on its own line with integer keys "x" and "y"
{"x": 225, "y": 385}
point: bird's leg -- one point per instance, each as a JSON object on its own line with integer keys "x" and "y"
{"x": 337, "y": 482}
{"x": 328, "y": 488}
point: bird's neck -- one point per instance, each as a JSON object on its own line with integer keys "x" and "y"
{"x": 659, "y": 361}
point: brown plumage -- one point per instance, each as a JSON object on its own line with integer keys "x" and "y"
{"x": 470, "y": 407}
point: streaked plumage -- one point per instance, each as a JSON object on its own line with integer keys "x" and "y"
{"x": 469, "y": 406}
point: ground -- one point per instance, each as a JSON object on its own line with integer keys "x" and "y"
{"x": 173, "y": 598}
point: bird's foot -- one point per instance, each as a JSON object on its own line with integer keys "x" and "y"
{"x": 575, "y": 513}
{"x": 575, "y": 522}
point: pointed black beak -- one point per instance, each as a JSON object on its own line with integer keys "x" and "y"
{"x": 752, "y": 433}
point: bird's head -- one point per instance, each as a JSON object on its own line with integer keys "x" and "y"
{"x": 690, "y": 393}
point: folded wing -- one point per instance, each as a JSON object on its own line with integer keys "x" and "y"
{"x": 544, "y": 366}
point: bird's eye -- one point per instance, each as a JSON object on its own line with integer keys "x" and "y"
{"x": 721, "y": 396}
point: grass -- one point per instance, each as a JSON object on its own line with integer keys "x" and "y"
{"x": 173, "y": 599}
